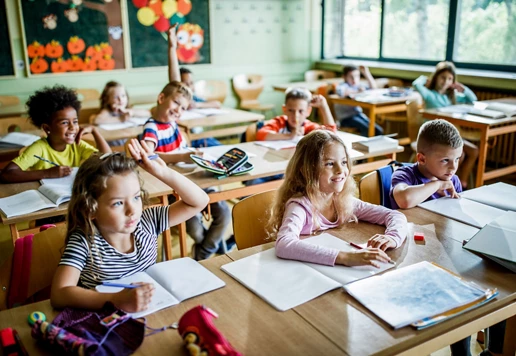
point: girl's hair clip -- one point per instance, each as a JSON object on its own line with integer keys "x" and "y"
{"x": 109, "y": 154}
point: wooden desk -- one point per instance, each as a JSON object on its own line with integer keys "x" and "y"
{"x": 488, "y": 128}
{"x": 241, "y": 118}
{"x": 311, "y": 86}
{"x": 155, "y": 188}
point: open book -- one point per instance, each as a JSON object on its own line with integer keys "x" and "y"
{"x": 64, "y": 182}
{"x": 285, "y": 284}
{"x": 497, "y": 240}
{"x": 131, "y": 122}
{"x": 410, "y": 294}
{"x": 492, "y": 110}
{"x": 18, "y": 140}
{"x": 495, "y": 195}
{"x": 29, "y": 201}
{"x": 375, "y": 144}
{"x": 200, "y": 113}
{"x": 279, "y": 144}
{"x": 174, "y": 280}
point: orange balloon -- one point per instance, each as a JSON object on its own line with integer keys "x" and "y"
{"x": 184, "y": 6}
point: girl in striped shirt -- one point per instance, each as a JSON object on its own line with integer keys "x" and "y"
{"x": 111, "y": 235}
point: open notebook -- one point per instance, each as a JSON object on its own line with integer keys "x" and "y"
{"x": 29, "y": 201}
{"x": 285, "y": 284}
{"x": 174, "y": 280}
{"x": 492, "y": 110}
{"x": 18, "y": 140}
{"x": 495, "y": 195}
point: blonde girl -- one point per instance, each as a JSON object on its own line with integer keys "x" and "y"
{"x": 111, "y": 235}
{"x": 318, "y": 194}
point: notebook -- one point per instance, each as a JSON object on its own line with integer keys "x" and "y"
{"x": 18, "y": 140}
{"x": 411, "y": 294}
{"x": 131, "y": 122}
{"x": 64, "y": 182}
{"x": 497, "y": 240}
{"x": 492, "y": 110}
{"x": 29, "y": 201}
{"x": 285, "y": 284}
{"x": 375, "y": 144}
{"x": 174, "y": 280}
{"x": 495, "y": 195}
{"x": 464, "y": 210}
{"x": 279, "y": 144}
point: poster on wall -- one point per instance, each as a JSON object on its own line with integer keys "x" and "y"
{"x": 149, "y": 21}
{"x": 6, "y": 55}
{"x": 63, "y": 36}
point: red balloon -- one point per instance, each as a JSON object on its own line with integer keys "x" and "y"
{"x": 140, "y": 3}
{"x": 161, "y": 24}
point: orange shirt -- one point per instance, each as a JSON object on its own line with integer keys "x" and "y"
{"x": 279, "y": 125}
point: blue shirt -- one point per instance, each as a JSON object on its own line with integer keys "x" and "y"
{"x": 434, "y": 100}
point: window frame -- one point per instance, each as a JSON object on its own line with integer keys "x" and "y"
{"x": 450, "y": 45}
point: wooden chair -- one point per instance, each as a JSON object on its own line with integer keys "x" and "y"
{"x": 249, "y": 219}
{"x": 316, "y": 74}
{"x": 47, "y": 247}
{"x": 414, "y": 122}
{"x": 9, "y": 100}
{"x": 16, "y": 124}
{"x": 248, "y": 88}
{"x": 375, "y": 190}
{"x": 211, "y": 90}
{"x": 88, "y": 94}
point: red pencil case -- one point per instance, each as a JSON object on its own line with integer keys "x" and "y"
{"x": 200, "y": 335}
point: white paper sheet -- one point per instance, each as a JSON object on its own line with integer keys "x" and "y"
{"x": 497, "y": 195}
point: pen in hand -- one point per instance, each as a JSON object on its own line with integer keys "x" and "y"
{"x": 120, "y": 285}
{"x": 46, "y": 160}
{"x": 357, "y": 246}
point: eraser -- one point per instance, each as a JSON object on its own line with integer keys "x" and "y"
{"x": 419, "y": 236}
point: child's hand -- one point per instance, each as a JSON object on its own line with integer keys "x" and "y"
{"x": 125, "y": 114}
{"x": 383, "y": 242}
{"x": 318, "y": 101}
{"x": 299, "y": 131}
{"x": 141, "y": 152}
{"x": 83, "y": 131}
{"x": 457, "y": 86}
{"x": 367, "y": 256}
{"x": 136, "y": 299}
{"x": 172, "y": 36}
{"x": 447, "y": 186}
{"x": 364, "y": 70}
{"x": 59, "y": 171}
{"x": 186, "y": 156}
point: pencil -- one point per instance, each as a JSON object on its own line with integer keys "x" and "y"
{"x": 120, "y": 285}
{"x": 46, "y": 160}
{"x": 361, "y": 248}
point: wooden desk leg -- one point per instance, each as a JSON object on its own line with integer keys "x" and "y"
{"x": 15, "y": 235}
{"x": 482, "y": 156}
{"x": 372, "y": 120}
{"x": 167, "y": 235}
{"x": 182, "y": 239}
{"x": 509, "y": 343}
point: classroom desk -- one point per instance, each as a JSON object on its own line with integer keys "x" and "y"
{"x": 332, "y": 324}
{"x": 231, "y": 117}
{"x": 155, "y": 188}
{"x": 311, "y": 86}
{"x": 488, "y": 128}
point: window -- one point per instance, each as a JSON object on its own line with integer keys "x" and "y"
{"x": 361, "y": 28}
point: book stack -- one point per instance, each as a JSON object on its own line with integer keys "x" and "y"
{"x": 375, "y": 144}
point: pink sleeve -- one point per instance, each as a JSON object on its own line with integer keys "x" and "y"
{"x": 395, "y": 221}
{"x": 288, "y": 244}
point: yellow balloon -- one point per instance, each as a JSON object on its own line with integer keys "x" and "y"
{"x": 169, "y": 8}
{"x": 146, "y": 16}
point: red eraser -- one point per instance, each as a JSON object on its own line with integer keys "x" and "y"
{"x": 419, "y": 236}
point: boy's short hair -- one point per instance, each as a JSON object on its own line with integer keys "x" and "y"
{"x": 348, "y": 68}
{"x": 298, "y": 94}
{"x": 184, "y": 70}
{"x": 438, "y": 132}
{"x": 177, "y": 88}
{"x": 45, "y": 102}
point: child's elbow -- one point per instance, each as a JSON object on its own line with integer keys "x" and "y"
{"x": 56, "y": 300}
{"x": 403, "y": 201}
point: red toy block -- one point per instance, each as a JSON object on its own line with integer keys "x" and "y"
{"x": 419, "y": 236}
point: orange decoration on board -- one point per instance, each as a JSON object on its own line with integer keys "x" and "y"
{"x": 38, "y": 65}
{"x": 106, "y": 63}
{"x": 75, "y": 64}
{"x": 106, "y": 49}
{"x": 94, "y": 52}
{"x": 35, "y": 50}
{"x": 59, "y": 66}
{"x": 184, "y": 6}
{"x": 75, "y": 45}
{"x": 155, "y": 5}
{"x": 89, "y": 65}
{"x": 53, "y": 49}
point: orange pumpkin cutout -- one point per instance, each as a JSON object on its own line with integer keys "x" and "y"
{"x": 35, "y": 50}
{"x": 38, "y": 65}
{"x": 89, "y": 65}
{"x": 75, "y": 45}
{"x": 106, "y": 63}
{"x": 75, "y": 64}
{"x": 54, "y": 49}
{"x": 94, "y": 52}
{"x": 106, "y": 49}
{"x": 59, "y": 66}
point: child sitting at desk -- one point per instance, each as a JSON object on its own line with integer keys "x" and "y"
{"x": 352, "y": 116}
{"x": 55, "y": 111}
{"x": 318, "y": 194}
{"x": 110, "y": 235}
{"x": 443, "y": 89}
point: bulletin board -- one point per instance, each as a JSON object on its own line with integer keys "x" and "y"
{"x": 149, "y": 21}
{"x": 6, "y": 54}
{"x": 63, "y": 36}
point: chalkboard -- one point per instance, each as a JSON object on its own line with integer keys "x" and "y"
{"x": 72, "y": 35}
{"x": 149, "y": 21}
{"x": 6, "y": 59}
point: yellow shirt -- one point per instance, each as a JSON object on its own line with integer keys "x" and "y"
{"x": 72, "y": 156}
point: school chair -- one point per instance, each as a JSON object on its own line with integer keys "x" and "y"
{"x": 249, "y": 219}
{"x": 211, "y": 90}
{"x": 414, "y": 122}
{"x": 316, "y": 74}
{"x": 248, "y": 88}
{"x": 16, "y": 124}
{"x": 375, "y": 186}
{"x": 9, "y": 100}
{"x": 28, "y": 272}
{"x": 88, "y": 94}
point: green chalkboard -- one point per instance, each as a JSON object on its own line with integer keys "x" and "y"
{"x": 72, "y": 35}
{"x": 6, "y": 59}
{"x": 149, "y": 20}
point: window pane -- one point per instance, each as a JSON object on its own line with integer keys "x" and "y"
{"x": 486, "y": 32}
{"x": 333, "y": 28}
{"x": 415, "y": 29}
{"x": 362, "y": 28}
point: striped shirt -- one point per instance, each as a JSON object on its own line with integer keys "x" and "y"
{"x": 165, "y": 135}
{"x": 109, "y": 263}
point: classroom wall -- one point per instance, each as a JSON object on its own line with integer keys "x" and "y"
{"x": 278, "y": 39}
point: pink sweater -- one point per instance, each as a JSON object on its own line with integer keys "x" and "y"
{"x": 298, "y": 220}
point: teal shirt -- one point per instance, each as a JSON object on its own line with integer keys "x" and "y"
{"x": 435, "y": 100}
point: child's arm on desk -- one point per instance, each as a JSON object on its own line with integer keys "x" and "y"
{"x": 105, "y": 117}
{"x": 408, "y": 196}
{"x": 12, "y": 173}
{"x": 173, "y": 63}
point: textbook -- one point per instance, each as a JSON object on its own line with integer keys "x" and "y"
{"x": 492, "y": 110}
{"x": 174, "y": 280}
{"x": 497, "y": 241}
{"x": 18, "y": 140}
{"x": 64, "y": 182}
{"x": 29, "y": 201}
{"x": 415, "y": 293}
{"x": 285, "y": 284}
{"x": 495, "y": 195}
{"x": 279, "y": 144}
{"x": 375, "y": 144}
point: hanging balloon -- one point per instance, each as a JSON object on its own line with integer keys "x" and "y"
{"x": 184, "y": 6}
{"x": 140, "y": 3}
{"x": 156, "y": 7}
{"x": 178, "y": 18}
{"x": 146, "y": 16}
{"x": 169, "y": 8}
{"x": 161, "y": 24}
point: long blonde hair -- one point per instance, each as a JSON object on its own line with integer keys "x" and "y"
{"x": 302, "y": 179}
